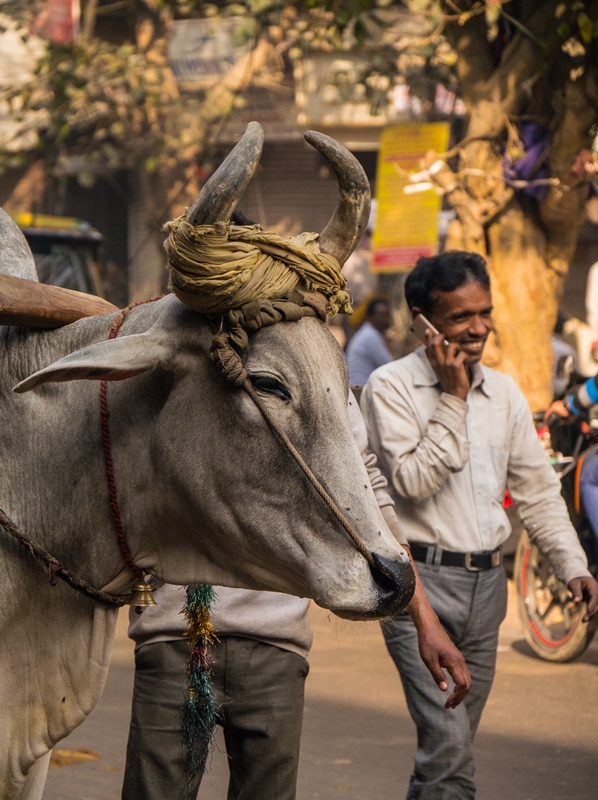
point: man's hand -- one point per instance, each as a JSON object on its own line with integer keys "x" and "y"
{"x": 558, "y": 408}
{"x": 435, "y": 647}
{"x": 437, "y": 651}
{"x": 585, "y": 589}
{"x": 448, "y": 362}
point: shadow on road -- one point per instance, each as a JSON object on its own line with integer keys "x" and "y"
{"x": 538, "y": 738}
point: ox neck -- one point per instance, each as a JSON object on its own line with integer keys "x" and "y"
{"x": 53, "y": 482}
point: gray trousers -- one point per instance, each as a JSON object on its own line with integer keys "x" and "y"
{"x": 471, "y": 606}
{"x": 260, "y": 689}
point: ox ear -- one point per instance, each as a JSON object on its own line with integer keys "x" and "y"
{"x": 112, "y": 360}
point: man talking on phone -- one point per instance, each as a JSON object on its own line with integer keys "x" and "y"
{"x": 451, "y": 436}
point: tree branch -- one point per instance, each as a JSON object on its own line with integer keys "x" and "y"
{"x": 522, "y": 58}
{"x": 502, "y": 94}
{"x": 473, "y": 212}
{"x": 475, "y": 65}
{"x": 524, "y": 10}
{"x": 563, "y": 213}
{"x": 89, "y": 19}
{"x": 491, "y": 92}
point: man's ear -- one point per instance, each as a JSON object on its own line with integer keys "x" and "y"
{"x": 111, "y": 360}
{"x": 414, "y": 311}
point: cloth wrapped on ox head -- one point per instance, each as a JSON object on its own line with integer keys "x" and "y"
{"x": 250, "y": 278}
{"x": 225, "y": 268}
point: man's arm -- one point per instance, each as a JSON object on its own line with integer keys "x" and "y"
{"x": 536, "y": 492}
{"x": 418, "y": 464}
{"x": 435, "y": 647}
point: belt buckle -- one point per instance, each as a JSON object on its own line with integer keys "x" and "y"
{"x": 469, "y": 566}
{"x": 496, "y": 557}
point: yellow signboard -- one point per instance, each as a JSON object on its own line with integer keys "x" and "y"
{"x": 406, "y": 224}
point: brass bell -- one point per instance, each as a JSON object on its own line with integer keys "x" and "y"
{"x": 141, "y": 596}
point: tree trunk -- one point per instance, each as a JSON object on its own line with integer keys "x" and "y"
{"x": 528, "y": 244}
{"x": 526, "y": 296}
{"x": 146, "y": 274}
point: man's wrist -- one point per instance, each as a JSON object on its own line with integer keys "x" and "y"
{"x": 422, "y": 614}
{"x": 458, "y": 393}
{"x": 454, "y": 402}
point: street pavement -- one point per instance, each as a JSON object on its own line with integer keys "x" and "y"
{"x": 538, "y": 739}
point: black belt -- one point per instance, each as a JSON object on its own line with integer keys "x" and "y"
{"x": 474, "y": 562}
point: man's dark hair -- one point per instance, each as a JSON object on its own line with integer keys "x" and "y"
{"x": 444, "y": 273}
{"x": 371, "y": 309}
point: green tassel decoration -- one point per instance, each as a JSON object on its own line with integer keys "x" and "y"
{"x": 200, "y": 708}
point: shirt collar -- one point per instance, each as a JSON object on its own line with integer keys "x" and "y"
{"x": 424, "y": 375}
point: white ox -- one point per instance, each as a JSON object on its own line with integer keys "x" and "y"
{"x": 206, "y": 491}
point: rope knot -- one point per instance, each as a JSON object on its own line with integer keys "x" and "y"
{"x": 228, "y": 362}
{"x": 234, "y": 326}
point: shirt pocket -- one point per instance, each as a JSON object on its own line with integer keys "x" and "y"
{"x": 498, "y": 466}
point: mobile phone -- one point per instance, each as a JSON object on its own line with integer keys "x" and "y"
{"x": 421, "y": 325}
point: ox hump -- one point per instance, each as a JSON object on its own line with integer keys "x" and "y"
{"x": 16, "y": 258}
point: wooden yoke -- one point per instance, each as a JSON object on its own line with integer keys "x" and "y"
{"x": 38, "y": 305}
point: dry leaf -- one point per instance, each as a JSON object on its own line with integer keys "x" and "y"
{"x": 64, "y": 758}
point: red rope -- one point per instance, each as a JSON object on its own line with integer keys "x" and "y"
{"x": 120, "y": 533}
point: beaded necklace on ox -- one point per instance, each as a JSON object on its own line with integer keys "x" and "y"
{"x": 141, "y": 594}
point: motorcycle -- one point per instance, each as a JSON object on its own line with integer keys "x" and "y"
{"x": 552, "y": 622}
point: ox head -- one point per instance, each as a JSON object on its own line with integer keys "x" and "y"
{"x": 218, "y": 499}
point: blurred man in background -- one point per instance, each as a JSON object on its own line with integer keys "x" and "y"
{"x": 367, "y": 350}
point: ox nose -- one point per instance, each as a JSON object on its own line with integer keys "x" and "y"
{"x": 396, "y": 584}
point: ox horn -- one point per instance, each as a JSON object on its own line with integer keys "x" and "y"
{"x": 37, "y": 305}
{"x": 348, "y": 223}
{"x": 219, "y": 197}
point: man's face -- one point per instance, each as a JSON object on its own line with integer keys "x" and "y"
{"x": 464, "y": 316}
{"x": 381, "y": 317}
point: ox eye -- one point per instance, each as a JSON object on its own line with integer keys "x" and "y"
{"x": 266, "y": 383}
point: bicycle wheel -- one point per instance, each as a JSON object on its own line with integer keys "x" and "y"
{"x": 552, "y": 622}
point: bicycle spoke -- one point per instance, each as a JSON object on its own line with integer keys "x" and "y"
{"x": 548, "y": 609}
{"x": 567, "y": 617}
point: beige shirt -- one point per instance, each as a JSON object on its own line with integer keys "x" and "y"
{"x": 270, "y": 617}
{"x": 448, "y": 462}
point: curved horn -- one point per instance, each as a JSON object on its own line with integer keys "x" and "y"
{"x": 220, "y": 195}
{"x": 348, "y": 223}
{"x": 36, "y": 305}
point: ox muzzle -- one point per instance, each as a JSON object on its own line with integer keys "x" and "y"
{"x": 395, "y": 581}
